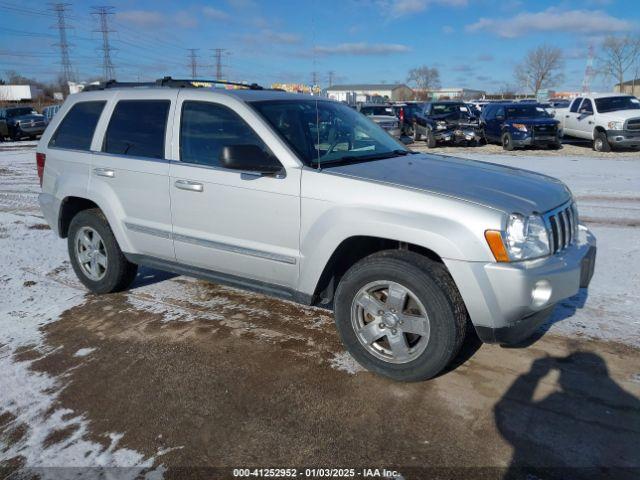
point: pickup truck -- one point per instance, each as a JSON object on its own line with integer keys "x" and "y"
{"x": 610, "y": 120}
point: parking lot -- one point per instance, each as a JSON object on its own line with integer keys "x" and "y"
{"x": 179, "y": 376}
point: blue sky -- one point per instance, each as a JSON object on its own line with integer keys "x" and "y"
{"x": 474, "y": 43}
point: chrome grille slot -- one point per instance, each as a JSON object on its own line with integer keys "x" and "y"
{"x": 562, "y": 227}
{"x": 633, "y": 124}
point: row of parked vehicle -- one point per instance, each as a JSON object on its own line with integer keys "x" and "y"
{"x": 608, "y": 120}
{"x": 21, "y": 122}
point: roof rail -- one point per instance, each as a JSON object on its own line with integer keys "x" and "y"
{"x": 171, "y": 83}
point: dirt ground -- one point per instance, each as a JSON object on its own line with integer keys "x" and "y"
{"x": 198, "y": 379}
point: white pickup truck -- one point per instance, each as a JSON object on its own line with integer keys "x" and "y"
{"x": 609, "y": 119}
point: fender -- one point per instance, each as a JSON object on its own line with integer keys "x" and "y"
{"x": 452, "y": 238}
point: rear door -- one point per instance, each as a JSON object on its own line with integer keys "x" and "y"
{"x": 494, "y": 123}
{"x": 584, "y": 121}
{"x": 130, "y": 170}
{"x": 239, "y": 224}
{"x": 570, "y": 123}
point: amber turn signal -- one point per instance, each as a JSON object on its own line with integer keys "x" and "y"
{"x": 494, "y": 239}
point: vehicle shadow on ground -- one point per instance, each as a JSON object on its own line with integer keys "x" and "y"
{"x": 148, "y": 276}
{"x": 582, "y": 426}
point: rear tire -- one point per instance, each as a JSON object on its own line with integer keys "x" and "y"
{"x": 601, "y": 143}
{"x": 96, "y": 256}
{"x": 507, "y": 142}
{"x": 431, "y": 305}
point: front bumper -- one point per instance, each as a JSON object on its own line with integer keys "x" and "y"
{"x": 527, "y": 139}
{"x": 623, "y": 138}
{"x": 27, "y": 130}
{"x": 500, "y": 296}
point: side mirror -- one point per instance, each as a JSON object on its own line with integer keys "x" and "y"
{"x": 249, "y": 158}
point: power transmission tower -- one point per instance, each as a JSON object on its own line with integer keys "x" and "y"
{"x": 218, "y": 52}
{"x": 331, "y": 74}
{"x": 193, "y": 62}
{"x": 588, "y": 72}
{"x": 65, "y": 62}
{"x": 108, "y": 69}
{"x": 314, "y": 79}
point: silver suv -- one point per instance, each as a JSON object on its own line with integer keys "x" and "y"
{"x": 308, "y": 200}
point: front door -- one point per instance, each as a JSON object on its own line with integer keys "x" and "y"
{"x": 241, "y": 225}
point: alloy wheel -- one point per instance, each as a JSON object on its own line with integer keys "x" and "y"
{"x": 390, "y": 321}
{"x": 91, "y": 253}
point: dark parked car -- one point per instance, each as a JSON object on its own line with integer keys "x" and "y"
{"x": 520, "y": 124}
{"x": 406, "y": 112}
{"x": 22, "y": 122}
{"x": 447, "y": 121}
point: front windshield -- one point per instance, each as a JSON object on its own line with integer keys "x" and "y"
{"x": 447, "y": 108}
{"x": 527, "y": 111}
{"x": 369, "y": 111}
{"x": 612, "y": 104}
{"x": 17, "y": 112}
{"x": 323, "y": 132}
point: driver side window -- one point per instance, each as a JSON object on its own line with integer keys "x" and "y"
{"x": 206, "y": 128}
{"x": 587, "y": 106}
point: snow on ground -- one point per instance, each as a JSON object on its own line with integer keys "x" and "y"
{"x": 29, "y": 299}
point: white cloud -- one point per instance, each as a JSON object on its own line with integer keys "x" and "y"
{"x": 281, "y": 37}
{"x": 141, "y": 18}
{"x": 214, "y": 13}
{"x": 448, "y": 29}
{"x": 552, "y": 20}
{"x": 362, "y": 49}
{"x": 399, "y": 8}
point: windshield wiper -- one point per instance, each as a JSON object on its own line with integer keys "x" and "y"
{"x": 363, "y": 158}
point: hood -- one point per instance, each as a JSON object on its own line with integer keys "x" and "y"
{"x": 36, "y": 117}
{"x": 504, "y": 188}
{"x": 619, "y": 115}
{"x": 534, "y": 121}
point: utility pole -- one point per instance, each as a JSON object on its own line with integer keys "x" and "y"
{"x": 65, "y": 62}
{"x": 193, "y": 62}
{"x": 108, "y": 69}
{"x": 331, "y": 74}
{"x": 218, "y": 52}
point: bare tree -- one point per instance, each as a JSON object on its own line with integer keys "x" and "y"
{"x": 617, "y": 55}
{"x": 541, "y": 68}
{"x": 424, "y": 78}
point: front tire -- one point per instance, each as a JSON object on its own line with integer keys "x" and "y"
{"x": 601, "y": 143}
{"x": 507, "y": 142}
{"x": 400, "y": 315}
{"x": 96, "y": 256}
{"x": 431, "y": 139}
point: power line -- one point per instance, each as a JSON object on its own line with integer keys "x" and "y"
{"x": 193, "y": 62}
{"x": 60, "y": 10}
{"x": 108, "y": 69}
{"x": 218, "y": 52}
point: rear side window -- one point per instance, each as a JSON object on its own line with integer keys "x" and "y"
{"x": 137, "y": 128}
{"x": 205, "y": 128}
{"x": 76, "y": 129}
{"x": 575, "y": 105}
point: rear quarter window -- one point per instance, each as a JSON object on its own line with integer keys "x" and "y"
{"x": 76, "y": 129}
{"x": 137, "y": 128}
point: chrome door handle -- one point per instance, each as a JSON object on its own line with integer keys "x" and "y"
{"x": 566, "y": 116}
{"x": 104, "y": 172}
{"x": 189, "y": 185}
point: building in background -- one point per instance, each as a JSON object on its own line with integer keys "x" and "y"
{"x": 19, "y": 93}
{"x": 370, "y": 93}
{"x": 632, "y": 87}
{"x": 456, "y": 94}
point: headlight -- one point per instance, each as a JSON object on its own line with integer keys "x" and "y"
{"x": 520, "y": 126}
{"x": 615, "y": 125}
{"x": 525, "y": 238}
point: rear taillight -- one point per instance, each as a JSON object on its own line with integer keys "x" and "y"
{"x": 40, "y": 159}
{"x": 401, "y": 115}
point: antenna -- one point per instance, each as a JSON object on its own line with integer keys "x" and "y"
{"x": 103, "y": 12}
{"x": 588, "y": 72}
{"x": 218, "y": 52}
{"x": 65, "y": 62}
{"x": 193, "y": 62}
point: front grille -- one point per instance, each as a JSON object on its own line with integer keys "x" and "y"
{"x": 633, "y": 124}
{"x": 388, "y": 125}
{"x": 562, "y": 225}
{"x": 544, "y": 129}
